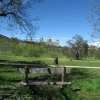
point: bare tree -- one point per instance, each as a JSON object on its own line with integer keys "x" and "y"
{"x": 78, "y": 47}
{"x": 17, "y": 11}
{"x": 94, "y": 18}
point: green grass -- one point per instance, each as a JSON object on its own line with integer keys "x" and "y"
{"x": 95, "y": 63}
{"x": 50, "y": 61}
{"x": 12, "y": 75}
{"x": 88, "y": 80}
{"x": 89, "y": 85}
{"x": 90, "y": 88}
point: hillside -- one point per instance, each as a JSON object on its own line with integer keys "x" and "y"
{"x": 15, "y": 47}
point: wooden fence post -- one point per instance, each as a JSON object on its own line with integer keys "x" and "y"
{"x": 26, "y": 74}
{"x": 63, "y": 75}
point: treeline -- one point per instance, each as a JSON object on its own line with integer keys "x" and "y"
{"x": 77, "y": 48}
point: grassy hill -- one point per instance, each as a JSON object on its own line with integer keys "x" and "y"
{"x": 18, "y": 48}
{"x": 86, "y": 80}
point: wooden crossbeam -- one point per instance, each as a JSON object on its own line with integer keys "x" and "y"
{"x": 46, "y": 83}
{"x": 18, "y": 65}
{"x": 68, "y": 66}
{"x": 22, "y": 64}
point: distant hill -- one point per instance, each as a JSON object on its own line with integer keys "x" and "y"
{"x": 48, "y": 43}
{"x": 4, "y": 37}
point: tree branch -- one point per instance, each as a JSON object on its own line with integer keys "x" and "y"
{"x": 4, "y": 14}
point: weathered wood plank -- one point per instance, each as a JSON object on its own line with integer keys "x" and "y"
{"x": 18, "y": 65}
{"x": 46, "y": 83}
{"x": 67, "y": 66}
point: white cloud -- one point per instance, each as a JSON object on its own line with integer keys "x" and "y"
{"x": 95, "y": 43}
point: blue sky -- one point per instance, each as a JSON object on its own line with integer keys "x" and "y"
{"x": 61, "y": 19}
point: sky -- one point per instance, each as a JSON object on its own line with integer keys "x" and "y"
{"x": 61, "y": 20}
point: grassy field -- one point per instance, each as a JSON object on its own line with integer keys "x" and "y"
{"x": 87, "y": 80}
{"x": 50, "y": 61}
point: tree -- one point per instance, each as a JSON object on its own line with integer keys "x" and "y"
{"x": 85, "y": 48}
{"x": 94, "y": 18}
{"x": 17, "y": 12}
{"x": 78, "y": 47}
